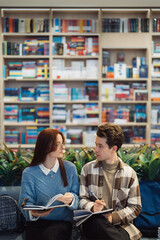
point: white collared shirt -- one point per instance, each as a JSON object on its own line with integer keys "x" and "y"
{"x": 46, "y": 171}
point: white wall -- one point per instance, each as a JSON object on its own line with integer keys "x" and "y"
{"x": 79, "y": 3}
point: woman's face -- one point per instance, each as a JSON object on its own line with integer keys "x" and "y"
{"x": 58, "y": 153}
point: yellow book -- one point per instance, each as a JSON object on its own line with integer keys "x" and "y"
{"x": 107, "y": 94}
{"x": 45, "y": 71}
{"x": 81, "y": 26}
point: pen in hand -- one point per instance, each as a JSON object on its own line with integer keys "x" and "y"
{"x": 99, "y": 201}
{"x": 93, "y": 195}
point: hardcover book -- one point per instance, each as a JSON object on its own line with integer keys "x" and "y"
{"x": 82, "y": 215}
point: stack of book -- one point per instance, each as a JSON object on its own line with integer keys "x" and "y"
{"x": 75, "y": 136}
{"x": 155, "y": 92}
{"x": 59, "y": 114}
{"x": 155, "y": 135}
{"x": 27, "y": 115}
{"x": 27, "y": 94}
{"x": 92, "y": 113}
{"x": 42, "y": 92}
{"x": 89, "y": 136}
{"x": 15, "y": 70}
{"x": 59, "y": 45}
{"x": 77, "y": 69}
{"x": 11, "y": 113}
{"x": 78, "y": 113}
{"x": 77, "y": 94}
{"x": 91, "y": 90}
{"x": 29, "y": 69}
{"x": 31, "y": 135}
{"x": 11, "y": 136}
{"x": 155, "y": 114}
{"x": 42, "y": 114}
{"x": 134, "y": 135}
{"x": 42, "y": 71}
{"x": 11, "y": 94}
{"x": 60, "y": 92}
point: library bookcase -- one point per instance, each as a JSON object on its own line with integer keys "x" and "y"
{"x": 73, "y": 69}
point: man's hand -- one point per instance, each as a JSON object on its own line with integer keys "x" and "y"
{"x": 98, "y": 205}
{"x": 67, "y": 198}
{"x": 108, "y": 216}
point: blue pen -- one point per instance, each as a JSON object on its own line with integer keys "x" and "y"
{"x": 93, "y": 195}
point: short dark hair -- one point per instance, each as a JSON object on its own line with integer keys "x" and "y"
{"x": 113, "y": 134}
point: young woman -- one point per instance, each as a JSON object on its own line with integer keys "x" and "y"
{"x": 47, "y": 176}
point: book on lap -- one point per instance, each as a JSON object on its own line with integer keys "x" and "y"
{"x": 48, "y": 206}
{"x": 82, "y": 215}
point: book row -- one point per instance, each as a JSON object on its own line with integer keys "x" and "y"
{"x": 120, "y": 70}
{"x": 74, "y": 25}
{"x": 29, "y": 93}
{"x": 60, "y": 92}
{"x": 26, "y": 69}
{"x": 75, "y": 46}
{"x": 79, "y": 69}
{"x": 30, "y": 46}
{"x": 25, "y": 25}
{"x": 125, "y": 25}
{"x": 134, "y": 135}
{"x": 78, "y": 113}
{"x": 124, "y": 91}
{"x": 35, "y": 25}
{"x": 40, "y": 69}
{"x": 124, "y": 114}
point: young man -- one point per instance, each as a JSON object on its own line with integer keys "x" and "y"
{"x": 116, "y": 186}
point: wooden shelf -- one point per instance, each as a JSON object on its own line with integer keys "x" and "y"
{"x": 132, "y": 44}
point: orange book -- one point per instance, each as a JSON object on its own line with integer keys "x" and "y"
{"x": 64, "y": 25}
{"x": 10, "y": 24}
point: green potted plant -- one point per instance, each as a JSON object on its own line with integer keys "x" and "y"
{"x": 79, "y": 157}
{"x": 12, "y": 164}
{"x": 144, "y": 160}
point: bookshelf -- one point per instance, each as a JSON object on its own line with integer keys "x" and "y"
{"x": 75, "y": 68}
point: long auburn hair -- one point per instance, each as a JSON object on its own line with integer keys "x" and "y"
{"x": 46, "y": 143}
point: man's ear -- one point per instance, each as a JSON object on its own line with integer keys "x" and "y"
{"x": 114, "y": 148}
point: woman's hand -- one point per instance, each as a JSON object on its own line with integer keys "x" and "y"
{"x": 36, "y": 213}
{"x": 67, "y": 198}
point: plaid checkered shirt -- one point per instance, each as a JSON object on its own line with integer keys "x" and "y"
{"x": 126, "y": 200}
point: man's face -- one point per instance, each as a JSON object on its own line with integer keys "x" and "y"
{"x": 103, "y": 152}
